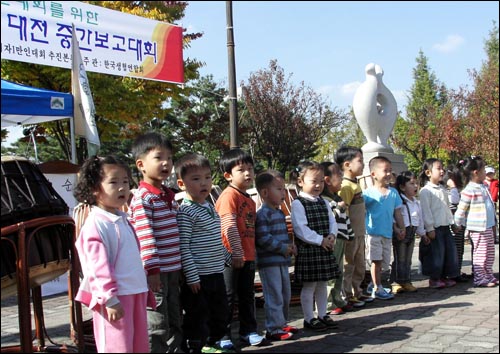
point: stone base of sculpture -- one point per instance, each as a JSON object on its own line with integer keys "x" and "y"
{"x": 397, "y": 160}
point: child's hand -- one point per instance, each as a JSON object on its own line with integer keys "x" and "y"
{"x": 195, "y": 288}
{"x": 401, "y": 234}
{"x": 154, "y": 282}
{"x": 456, "y": 228}
{"x": 425, "y": 239}
{"x": 325, "y": 243}
{"x": 431, "y": 235}
{"x": 115, "y": 312}
{"x": 237, "y": 263}
{"x": 294, "y": 249}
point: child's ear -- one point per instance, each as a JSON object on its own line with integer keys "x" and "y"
{"x": 139, "y": 165}
{"x": 328, "y": 180}
{"x": 181, "y": 185}
{"x": 228, "y": 176}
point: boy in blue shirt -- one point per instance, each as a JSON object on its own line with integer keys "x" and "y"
{"x": 383, "y": 205}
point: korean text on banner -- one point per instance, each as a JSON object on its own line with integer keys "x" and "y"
{"x": 112, "y": 42}
{"x": 84, "y": 113}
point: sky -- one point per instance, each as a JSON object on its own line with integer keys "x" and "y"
{"x": 327, "y": 44}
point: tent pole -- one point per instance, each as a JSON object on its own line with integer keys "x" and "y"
{"x": 72, "y": 137}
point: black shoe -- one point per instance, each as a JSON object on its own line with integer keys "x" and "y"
{"x": 316, "y": 325}
{"x": 461, "y": 279}
{"x": 328, "y": 322}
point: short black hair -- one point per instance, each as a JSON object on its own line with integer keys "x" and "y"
{"x": 265, "y": 178}
{"x": 376, "y": 160}
{"x": 233, "y": 158}
{"x": 347, "y": 153}
{"x": 190, "y": 161}
{"x": 146, "y": 142}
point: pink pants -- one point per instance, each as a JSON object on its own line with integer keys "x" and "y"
{"x": 127, "y": 335}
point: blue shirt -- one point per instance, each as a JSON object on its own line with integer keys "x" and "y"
{"x": 380, "y": 211}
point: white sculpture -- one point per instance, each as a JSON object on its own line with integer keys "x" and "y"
{"x": 375, "y": 110}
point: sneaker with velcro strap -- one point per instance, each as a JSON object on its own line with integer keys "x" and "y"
{"x": 328, "y": 322}
{"x": 315, "y": 324}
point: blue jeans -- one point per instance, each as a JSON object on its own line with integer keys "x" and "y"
{"x": 240, "y": 289}
{"x": 440, "y": 259}
{"x": 403, "y": 251}
{"x": 277, "y": 293}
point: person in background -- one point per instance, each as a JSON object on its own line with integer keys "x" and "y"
{"x": 476, "y": 212}
{"x": 153, "y": 213}
{"x": 492, "y": 184}
{"x": 454, "y": 184}
{"x": 333, "y": 183}
{"x": 274, "y": 252}
{"x": 114, "y": 283}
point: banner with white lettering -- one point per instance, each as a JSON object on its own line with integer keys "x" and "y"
{"x": 111, "y": 42}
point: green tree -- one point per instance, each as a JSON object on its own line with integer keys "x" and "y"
{"x": 285, "y": 122}
{"x": 124, "y": 106}
{"x": 420, "y": 134}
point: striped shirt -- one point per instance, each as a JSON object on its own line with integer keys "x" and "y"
{"x": 271, "y": 238}
{"x": 202, "y": 250}
{"x": 153, "y": 212}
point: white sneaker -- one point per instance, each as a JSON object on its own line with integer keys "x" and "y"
{"x": 253, "y": 339}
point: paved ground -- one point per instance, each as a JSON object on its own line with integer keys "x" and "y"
{"x": 462, "y": 319}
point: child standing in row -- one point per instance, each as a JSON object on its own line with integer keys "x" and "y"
{"x": 153, "y": 213}
{"x": 203, "y": 294}
{"x": 438, "y": 253}
{"x": 333, "y": 183}
{"x": 350, "y": 160}
{"x": 114, "y": 283}
{"x": 407, "y": 186}
{"x": 454, "y": 184}
{"x": 316, "y": 229}
{"x": 383, "y": 205}
{"x": 476, "y": 212}
{"x": 274, "y": 251}
{"x": 237, "y": 211}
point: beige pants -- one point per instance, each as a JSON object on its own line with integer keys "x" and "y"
{"x": 354, "y": 266}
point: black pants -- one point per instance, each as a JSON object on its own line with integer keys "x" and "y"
{"x": 240, "y": 290}
{"x": 206, "y": 313}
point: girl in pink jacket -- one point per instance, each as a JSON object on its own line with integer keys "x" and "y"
{"x": 114, "y": 283}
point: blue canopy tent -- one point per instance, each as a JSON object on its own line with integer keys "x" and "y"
{"x": 30, "y": 105}
{"x": 23, "y": 104}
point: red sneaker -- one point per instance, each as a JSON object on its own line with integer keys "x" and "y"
{"x": 290, "y": 329}
{"x": 279, "y": 335}
{"x": 337, "y": 311}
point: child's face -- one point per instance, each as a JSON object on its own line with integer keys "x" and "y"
{"x": 410, "y": 188}
{"x": 478, "y": 176}
{"x": 156, "y": 166}
{"x": 334, "y": 182}
{"x": 114, "y": 188}
{"x": 355, "y": 166}
{"x": 382, "y": 173}
{"x": 490, "y": 176}
{"x": 197, "y": 183}
{"x": 274, "y": 194}
{"x": 241, "y": 176}
{"x": 312, "y": 182}
{"x": 436, "y": 173}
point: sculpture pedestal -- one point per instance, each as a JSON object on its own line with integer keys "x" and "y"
{"x": 398, "y": 166}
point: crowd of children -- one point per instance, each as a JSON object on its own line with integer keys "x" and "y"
{"x": 169, "y": 277}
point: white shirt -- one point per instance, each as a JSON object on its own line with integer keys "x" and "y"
{"x": 299, "y": 221}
